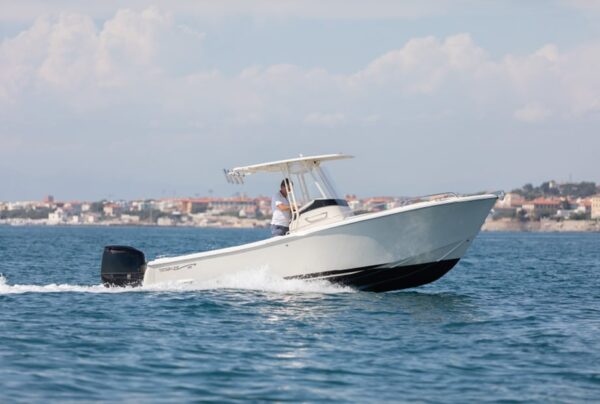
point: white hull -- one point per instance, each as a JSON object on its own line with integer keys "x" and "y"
{"x": 398, "y": 248}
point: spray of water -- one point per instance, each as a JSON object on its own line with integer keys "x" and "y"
{"x": 257, "y": 280}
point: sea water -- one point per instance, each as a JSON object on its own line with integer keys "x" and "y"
{"x": 518, "y": 319}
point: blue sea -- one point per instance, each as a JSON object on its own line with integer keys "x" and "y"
{"x": 518, "y": 319}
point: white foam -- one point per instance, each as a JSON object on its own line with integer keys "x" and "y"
{"x": 257, "y": 280}
{"x": 7, "y": 289}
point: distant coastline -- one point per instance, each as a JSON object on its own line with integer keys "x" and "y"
{"x": 541, "y": 226}
{"x": 490, "y": 225}
{"x": 549, "y": 207}
{"x": 229, "y": 223}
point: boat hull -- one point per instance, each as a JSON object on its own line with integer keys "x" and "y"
{"x": 395, "y": 249}
{"x": 383, "y": 278}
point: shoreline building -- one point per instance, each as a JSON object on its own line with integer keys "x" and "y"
{"x": 542, "y": 207}
{"x": 595, "y": 211}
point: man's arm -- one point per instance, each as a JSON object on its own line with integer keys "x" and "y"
{"x": 283, "y": 207}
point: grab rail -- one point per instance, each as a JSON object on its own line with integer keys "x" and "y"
{"x": 427, "y": 198}
{"x": 432, "y": 197}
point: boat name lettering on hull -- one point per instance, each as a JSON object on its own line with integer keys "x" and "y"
{"x": 177, "y": 267}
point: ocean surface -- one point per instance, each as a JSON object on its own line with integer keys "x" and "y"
{"x": 518, "y": 319}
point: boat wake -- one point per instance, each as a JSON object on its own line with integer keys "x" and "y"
{"x": 255, "y": 280}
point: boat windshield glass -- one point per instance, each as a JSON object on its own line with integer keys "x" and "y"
{"x": 334, "y": 190}
{"x": 311, "y": 184}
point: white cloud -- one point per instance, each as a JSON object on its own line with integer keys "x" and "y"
{"x": 424, "y": 64}
{"x": 26, "y": 10}
{"x": 329, "y": 120}
{"x": 532, "y": 113}
{"x": 73, "y": 57}
{"x": 71, "y": 46}
{"x": 150, "y": 96}
{"x": 146, "y": 68}
{"x": 586, "y": 5}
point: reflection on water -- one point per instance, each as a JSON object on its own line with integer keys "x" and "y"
{"x": 440, "y": 307}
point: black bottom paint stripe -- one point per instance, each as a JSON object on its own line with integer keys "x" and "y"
{"x": 378, "y": 278}
{"x": 336, "y": 272}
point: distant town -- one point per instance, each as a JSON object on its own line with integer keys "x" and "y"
{"x": 550, "y": 206}
{"x": 237, "y": 211}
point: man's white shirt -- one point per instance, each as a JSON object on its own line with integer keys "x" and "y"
{"x": 280, "y": 218}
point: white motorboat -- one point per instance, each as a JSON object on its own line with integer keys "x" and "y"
{"x": 403, "y": 247}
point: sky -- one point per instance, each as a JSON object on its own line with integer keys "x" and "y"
{"x": 135, "y": 99}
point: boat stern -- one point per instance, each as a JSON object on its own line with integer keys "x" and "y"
{"x": 122, "y": 266}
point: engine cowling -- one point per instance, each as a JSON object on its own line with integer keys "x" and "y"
{"x": 122, "y": 266}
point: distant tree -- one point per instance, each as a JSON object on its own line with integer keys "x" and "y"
{"x": 97, "y": 207}
{"x": 151, "y": 215}
{"x": 529, "y": 192}
{"x": 578, "y": 216}
{"x": 522, "y": 215}
{"x": 38, "y": 213}
{"x": 545, "y": 187}
{"x": 503, "y": 213}
{"x": 564, "y": 204}
{"x": 578, "y": 190}
{"x": 547, "y": 190}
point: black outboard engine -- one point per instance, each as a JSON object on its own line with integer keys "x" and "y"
{"x": 122, "y": 266}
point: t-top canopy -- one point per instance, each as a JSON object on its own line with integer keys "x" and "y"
{"x": 295, "y": 165}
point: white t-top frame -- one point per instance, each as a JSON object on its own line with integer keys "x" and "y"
{"x": 309, "y": 180}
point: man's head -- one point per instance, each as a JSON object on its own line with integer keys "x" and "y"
{"x": 285, "y": 185}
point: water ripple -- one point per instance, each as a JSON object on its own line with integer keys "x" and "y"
{"x": 516, "y": 320}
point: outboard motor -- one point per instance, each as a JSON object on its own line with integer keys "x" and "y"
{"x": 122, "y": 266}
